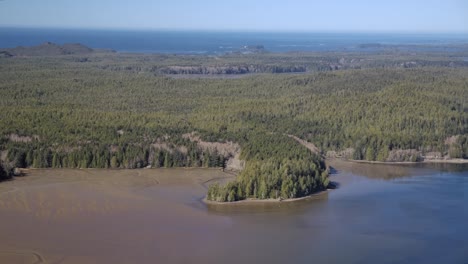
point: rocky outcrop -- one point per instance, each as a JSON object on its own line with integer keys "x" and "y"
{"x": 232, "y": 69}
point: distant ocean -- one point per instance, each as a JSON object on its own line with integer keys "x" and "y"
{"x": 205, "y": 42}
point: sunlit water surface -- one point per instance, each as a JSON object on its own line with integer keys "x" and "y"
{"x": 379, "y": 214}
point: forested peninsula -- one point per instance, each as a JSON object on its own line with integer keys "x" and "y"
{"x": 75, "y": 107}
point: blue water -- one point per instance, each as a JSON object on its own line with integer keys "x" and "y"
{"x": 204, "y": 42}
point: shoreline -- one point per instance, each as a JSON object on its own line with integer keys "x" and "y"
{"x": 250, "y": 201}
{"x": 123, "y": 169}
{"x": 449, "y": 161}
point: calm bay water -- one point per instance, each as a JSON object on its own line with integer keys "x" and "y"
{"x": 206, "y": 42}
{"x": 379, "y": 214}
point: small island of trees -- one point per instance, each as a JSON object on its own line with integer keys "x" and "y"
{"x": 278, "y": 167}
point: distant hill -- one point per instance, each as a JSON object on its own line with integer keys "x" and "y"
{"x": 47, "y": 49}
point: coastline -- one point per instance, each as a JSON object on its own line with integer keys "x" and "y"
{"x": 451, "y": 161}
{"x": 448, "y": 161}
{"x": 262, "y": 201}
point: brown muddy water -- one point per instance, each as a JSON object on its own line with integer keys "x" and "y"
{"x": 379, "y": 214}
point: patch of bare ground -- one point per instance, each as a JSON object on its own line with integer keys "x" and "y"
{"x": 434, "y": 155}
{"x": 306, "y": 144}
{"x": 3, "y": 155}
{"x": 343, "y": 154}
{"x": 161, "y": 144}
{"x": 230, "y": 150}
{"x": 451, "y": 140}
{"x": 398, "y": 155}
{"x": 22, "y": 139}
{"x": 18, "y": 139}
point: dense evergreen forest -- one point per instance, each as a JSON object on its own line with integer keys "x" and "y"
{"x": 4, "y": 174}
{"x": 130, "y": 111}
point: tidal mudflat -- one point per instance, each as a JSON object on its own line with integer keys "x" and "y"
{"x": 379, "y": 214}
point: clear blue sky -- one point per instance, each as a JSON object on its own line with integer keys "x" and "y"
{"x": 291, "y": 15}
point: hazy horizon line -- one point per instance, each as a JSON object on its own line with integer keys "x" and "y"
{"x": 215, "y": 30}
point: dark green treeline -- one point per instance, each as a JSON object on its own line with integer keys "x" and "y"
{"x": 102, "y": 113}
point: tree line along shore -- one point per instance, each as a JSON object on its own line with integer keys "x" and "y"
{"x": 98, "y": 111}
